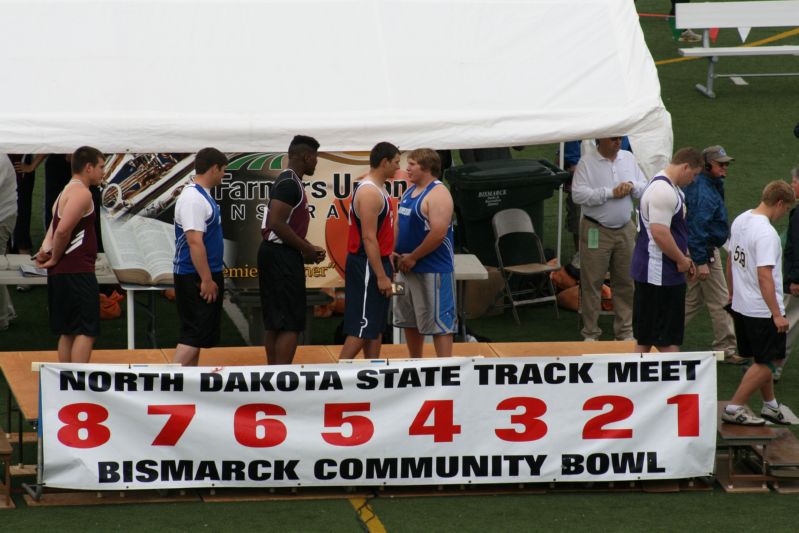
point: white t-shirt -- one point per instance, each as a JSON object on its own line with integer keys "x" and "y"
{"x": 192, "y": 210}
{"x": 659, "y": 203}
{"x": 8, "y": 188}
{"x": 754, "y": 243}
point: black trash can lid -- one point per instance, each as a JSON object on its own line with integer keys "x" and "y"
{"x": 508, "y": 172}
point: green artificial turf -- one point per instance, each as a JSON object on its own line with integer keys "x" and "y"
{"x": 754, "y": 123}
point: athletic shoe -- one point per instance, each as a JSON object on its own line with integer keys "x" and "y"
{"x": 741, "y": 417}
{"x": 774, "y": 415}
{"x": 733, "y": 359}
{"x": 689, "y": 36}
{"x": 777, "y": 374}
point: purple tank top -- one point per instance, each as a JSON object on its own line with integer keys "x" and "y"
{"x": 649, "y": 263}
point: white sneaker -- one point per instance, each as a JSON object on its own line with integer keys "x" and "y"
{"x": 774, "y": 415}
{"x": 741, "y": 417}
{"x": 689, "y": 36}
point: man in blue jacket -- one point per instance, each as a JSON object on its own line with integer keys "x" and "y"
{"x": 708, "y": 230}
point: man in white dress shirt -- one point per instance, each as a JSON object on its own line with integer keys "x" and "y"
{"x": 605, "y": 182}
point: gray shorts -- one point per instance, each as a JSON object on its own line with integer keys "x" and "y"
{"x": 428, "y": 304}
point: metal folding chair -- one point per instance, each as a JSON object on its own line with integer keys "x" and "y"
{"x": 532, "y": 264}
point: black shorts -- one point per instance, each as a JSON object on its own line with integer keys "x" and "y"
{"x": 659, "y": 314}
{"x": 758, "y": 338}
{"x": 200, "y": 321}
{"x": 281, "y": 277}
{"x": 365, "y": 309}
{"x": 74, "y": 301}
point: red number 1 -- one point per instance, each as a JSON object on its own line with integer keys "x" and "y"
{"x": 687, "y": 414}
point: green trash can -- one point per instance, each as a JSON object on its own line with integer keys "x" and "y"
{"x": 480, "y": 190}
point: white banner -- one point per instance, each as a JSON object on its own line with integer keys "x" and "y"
{"x": 461, "y": 420}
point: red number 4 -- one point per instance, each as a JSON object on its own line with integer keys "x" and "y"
{"x": 443, "y": 428}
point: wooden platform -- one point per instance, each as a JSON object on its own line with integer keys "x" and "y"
{"x": 539, "y": 349}
{"x": 223, "y": 356}
{"x": 755, "y": 457}
{"x": 400, "y": 351}
{"x": 57, "y": 498}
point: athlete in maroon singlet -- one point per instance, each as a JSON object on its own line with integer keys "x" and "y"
{"x": 69, "y": 252}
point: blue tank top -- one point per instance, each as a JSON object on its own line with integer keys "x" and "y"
{"x": 414, "y": 227}
{"x": 212, "y": 239}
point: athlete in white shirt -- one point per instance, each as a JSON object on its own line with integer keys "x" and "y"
{"x": 754, "y": 277}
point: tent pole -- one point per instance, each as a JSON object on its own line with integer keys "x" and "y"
{"x": 561, "y": 161}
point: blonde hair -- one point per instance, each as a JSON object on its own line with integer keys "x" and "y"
{"x": 428, "y": 159}
{"x": 776, "y": 191}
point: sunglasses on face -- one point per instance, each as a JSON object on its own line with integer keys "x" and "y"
{"x": 724, "y": 164}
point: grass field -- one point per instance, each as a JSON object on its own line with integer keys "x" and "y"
{"x": 754, "y": 123}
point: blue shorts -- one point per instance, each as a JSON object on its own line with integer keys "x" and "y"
{"x": 365, "y": 309}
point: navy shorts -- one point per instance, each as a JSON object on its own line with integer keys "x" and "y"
{"x": 74, "y": 301}
{"x": 758, "y": 338}
{"x": 200, "y": 321}
{"x": 365, "y": 309}
{"x": 281, "y": 278}
{"x": 659, "y": 314}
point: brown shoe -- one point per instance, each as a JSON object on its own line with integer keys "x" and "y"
{"x": 733, "y": 359}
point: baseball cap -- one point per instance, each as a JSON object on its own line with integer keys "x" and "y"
{"x": 716, "y": 153}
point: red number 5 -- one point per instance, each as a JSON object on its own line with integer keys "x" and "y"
{"x": 362, "y": 427}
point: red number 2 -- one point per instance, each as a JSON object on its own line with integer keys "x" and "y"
{"x": 621, "y": 409}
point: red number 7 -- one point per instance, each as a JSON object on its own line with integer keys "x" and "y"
{"x": 179, "y": 419}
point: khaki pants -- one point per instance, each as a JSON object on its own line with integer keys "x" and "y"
{"x": 792, "y": 314}
{"x": 614, "y": 254}
{"x": 6, "y": 229}
{"x": 713, "y": 293}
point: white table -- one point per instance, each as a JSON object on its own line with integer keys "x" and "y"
{"x": 467, "y": 267}
{"x": 10, "y": 274}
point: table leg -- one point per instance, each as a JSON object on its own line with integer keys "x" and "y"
{"x": 462, "y": 314}
{"x": 131, "y": 311}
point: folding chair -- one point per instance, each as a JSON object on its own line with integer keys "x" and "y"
{"x": 526, "y": 261}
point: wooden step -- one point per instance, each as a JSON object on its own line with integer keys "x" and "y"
{"x": 737, "y": 435}
{"x": 783, "y": 452}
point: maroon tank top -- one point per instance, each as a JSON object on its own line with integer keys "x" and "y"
{"x": 81, "y": 252}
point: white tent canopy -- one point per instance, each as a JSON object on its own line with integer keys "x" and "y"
{"x": 246, "y": 75}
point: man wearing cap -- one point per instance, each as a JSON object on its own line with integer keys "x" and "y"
{"x": 708, "y": 230}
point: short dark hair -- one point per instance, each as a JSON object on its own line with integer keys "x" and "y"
{"x": 428, "y": 159}
{"x": 689, "y": 155}
{"x": 301, "y": 144}
{"x": 382, "y": 150}
{"x": 85, "y": 155}
{"x": 207, "y": 158}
